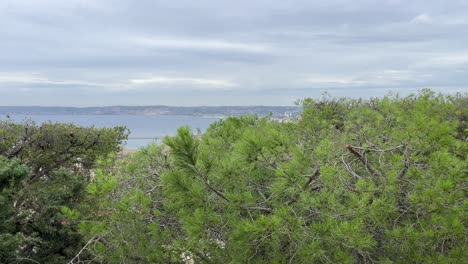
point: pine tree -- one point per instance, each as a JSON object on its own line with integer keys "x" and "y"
{"x": 353, "y": 181}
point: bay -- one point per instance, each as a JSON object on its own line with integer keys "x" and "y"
{"x": 142, "y": 127}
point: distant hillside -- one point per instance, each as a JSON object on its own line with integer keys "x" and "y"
{"x": 276, "y": 111}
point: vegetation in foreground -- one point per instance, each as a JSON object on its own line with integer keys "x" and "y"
{"x": 352, "y": 181}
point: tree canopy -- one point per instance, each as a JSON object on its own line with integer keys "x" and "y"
{"x": 352, "y": 181}
{"x": 44, "y": 170}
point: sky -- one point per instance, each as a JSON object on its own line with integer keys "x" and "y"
{"x": 219, "y": 52}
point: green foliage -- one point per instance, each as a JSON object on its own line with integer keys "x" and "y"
{"x": 11, "y": 174}
{"x": 352, "y": 181}
{"x": 125, "y": 217}
{"x": 50, "y": 146}
{"x": 44, "y": 171}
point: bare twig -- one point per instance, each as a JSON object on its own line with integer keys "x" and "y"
{"x": 348, "y": 168}
{"x": 381, "y": 150}
{"x": 19, "y": 260}
{"x": 260, "y": 208}
{"x": 81, "y": 251}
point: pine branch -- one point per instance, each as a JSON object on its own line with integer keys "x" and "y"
{"x": 405, "y": 168}
{"x": 216, "y": 191}
{"x": 364, "y": 161}
{"x": 205, "y": 180}
{"x": 403, "y": 171}
{"x": 312, "y": 178}
{"x": 316, "y": 188}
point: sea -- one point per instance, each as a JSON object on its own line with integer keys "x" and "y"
{"x": 144, "y": 129}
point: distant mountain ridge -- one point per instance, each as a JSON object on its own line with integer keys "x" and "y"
{"x": 276, "y": 111}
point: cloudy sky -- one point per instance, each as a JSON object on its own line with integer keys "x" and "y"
{"x": 220, "y": 52}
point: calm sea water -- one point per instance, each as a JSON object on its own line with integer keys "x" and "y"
{"x": 140, "y": 126}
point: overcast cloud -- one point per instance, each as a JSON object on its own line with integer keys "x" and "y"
{"x": 219, "y": 52}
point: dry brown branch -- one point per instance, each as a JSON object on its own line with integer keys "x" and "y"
{"x": 371, "y": 169}
{"x": 312, "y": 178}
